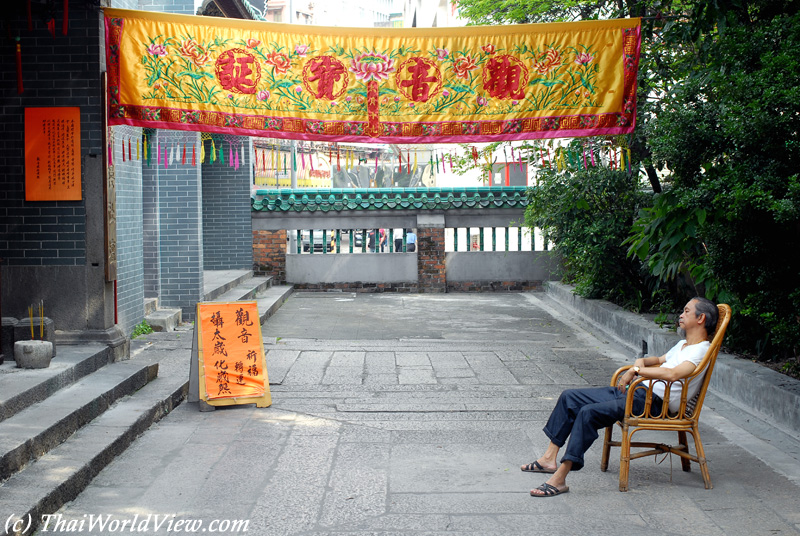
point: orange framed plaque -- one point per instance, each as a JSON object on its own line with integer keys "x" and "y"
{"x": 52, "y": 154}
{"x": 231, "y": 354}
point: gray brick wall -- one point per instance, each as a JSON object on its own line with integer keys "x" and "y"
{"x": 227, "y": 228}
{"x": 185, "y": 7}
{"x": 150, "y": 228}
{"x": 175, "y": 202}
{"x": 130, "y": 265}
{"x": 60, "y": 71}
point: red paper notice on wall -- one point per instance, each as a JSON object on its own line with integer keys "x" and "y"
{"x": 52, "y": 154}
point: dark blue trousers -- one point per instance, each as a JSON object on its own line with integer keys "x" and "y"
{"x": 580, "y": 413}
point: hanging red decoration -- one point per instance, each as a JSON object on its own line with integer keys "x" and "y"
{"x": 66, "y": 18}
{"x": 20, "y": 89}
{"x": 51, "y": 25}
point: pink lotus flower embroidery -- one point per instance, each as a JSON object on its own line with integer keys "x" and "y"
{"x": 584, "y": 58}
{"x": 263, "y": 95}
{"x": 301, "y": 50}
{"x": 464, "y": 65}
{"x": 488, "y": 48}
{"x": 482, "y": 101}
{"x": 156, "y": 49}
{"x": 552, "y": 60}
{"x": 252, "y": 43}
{"x": 442, "y": 53}
{"x": 371, "y": 66}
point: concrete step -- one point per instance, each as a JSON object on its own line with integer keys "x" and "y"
{"x": 60, "y": 475}
{"x": 271, "y": 299}
{"x": 245, "y": 290}
{"x": 219, "y": 282}
{"x": 164, "y": 319}
{"x": 34, "y": 431}
{"x": 22, "y": 388}
{"x": 150, "y": 305}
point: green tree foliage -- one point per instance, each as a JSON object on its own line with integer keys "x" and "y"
{"x": 731, "y": 137}
{"x": 586, "y": 215}
{"x": 719, "y": 116}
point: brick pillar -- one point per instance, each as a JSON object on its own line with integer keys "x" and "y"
{"x": 431, "y": 273}
{"x": 269, "y": 254}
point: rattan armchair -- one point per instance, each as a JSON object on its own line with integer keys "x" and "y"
{"x": 685, "y": 420}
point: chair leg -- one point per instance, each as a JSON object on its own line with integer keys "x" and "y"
{"x": 624, "y": 459}
{"x": 606, "y": 449}
{"x": 685, "y": 463}
{"x": 701, "y": 459}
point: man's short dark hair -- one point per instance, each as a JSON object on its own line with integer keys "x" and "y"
{"x": 708, "y": 308}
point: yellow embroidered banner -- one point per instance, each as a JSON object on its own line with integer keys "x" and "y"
{"x": 481, "y": 83}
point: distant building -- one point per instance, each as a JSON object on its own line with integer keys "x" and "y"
{"x": 354, "y": 13}
{"x": 430, "y": 13}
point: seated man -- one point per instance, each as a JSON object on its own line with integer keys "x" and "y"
{"x": 580, "y": 413}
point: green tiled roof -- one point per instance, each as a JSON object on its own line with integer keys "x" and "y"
{"x": 344, "y": 199}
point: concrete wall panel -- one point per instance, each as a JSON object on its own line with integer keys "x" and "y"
{"x": 502, "y": 266}
{"x": 345, "y": 268}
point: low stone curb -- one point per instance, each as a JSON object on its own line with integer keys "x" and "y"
{"x": 753, "y": 387}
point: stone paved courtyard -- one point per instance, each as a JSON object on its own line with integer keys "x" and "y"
{"x": 411, "y": 414}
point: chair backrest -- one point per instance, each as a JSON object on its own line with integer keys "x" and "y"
{"x": 694, "y": 406}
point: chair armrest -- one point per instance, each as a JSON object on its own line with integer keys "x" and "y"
{"x": 616, "y": 375}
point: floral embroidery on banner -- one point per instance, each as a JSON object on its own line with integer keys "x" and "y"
{"x": 279, "y": 62}
{"x": 463, "y": 65}
{"x": 372, "y": 66}
{"x": 198, "y": 54}
{"x": 481, "y": 86}
{"x": 549, "y": 61}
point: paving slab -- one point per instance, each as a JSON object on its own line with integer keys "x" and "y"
{"x": 422, "y": 431}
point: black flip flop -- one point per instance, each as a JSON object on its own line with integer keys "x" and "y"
{"x": 536, "y": 467}
{"x": 549, "y": 491}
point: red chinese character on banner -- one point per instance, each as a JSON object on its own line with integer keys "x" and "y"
{"x": 329, "y": 74}
{"x": 238, "y": 71}
{"x": 422, "y": 78}
{"x": 505, "y": 77}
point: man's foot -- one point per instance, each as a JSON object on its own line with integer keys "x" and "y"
{"x": 546, "y": 490}
{"x": 536, "y": 467}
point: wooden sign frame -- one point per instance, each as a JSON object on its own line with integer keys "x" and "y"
{"x": 216, "y": 357}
